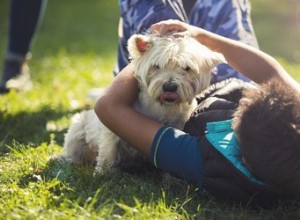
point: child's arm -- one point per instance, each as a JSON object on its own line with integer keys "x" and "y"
{"x": 250, "y": 61}
{"x": 115, "y": 110}
{"x": 169, "y": 149}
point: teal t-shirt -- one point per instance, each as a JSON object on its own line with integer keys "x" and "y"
{"x": 222, "y": 137}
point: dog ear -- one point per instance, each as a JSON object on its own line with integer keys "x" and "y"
{"x": 138, "y": 45}
{"x": 210, "y": 60}
{"x": 217, "y": 58}
{"x": 141, "y": 44}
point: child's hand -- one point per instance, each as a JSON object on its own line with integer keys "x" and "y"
{"x": 176, "y": 28}
{"x": 170, "y": 26}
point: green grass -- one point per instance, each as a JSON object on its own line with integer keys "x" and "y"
{"x": 74, "y": 51}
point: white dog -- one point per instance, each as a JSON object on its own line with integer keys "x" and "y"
{"x": 171, "y": 72}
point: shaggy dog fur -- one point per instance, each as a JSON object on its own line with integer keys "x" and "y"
{"x": 171, "y": 72}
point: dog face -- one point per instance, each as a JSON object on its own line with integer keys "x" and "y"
{"x": 172, "y": 70}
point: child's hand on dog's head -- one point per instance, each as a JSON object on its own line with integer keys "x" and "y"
{"x": 175, "y": 28}
{"x": 169, "y": 26}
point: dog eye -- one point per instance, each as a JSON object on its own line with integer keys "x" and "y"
{"x": 187, "y": 69}
{"x": 156, "y": 67}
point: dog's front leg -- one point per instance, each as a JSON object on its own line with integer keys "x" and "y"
{"x": 107, "y": 152}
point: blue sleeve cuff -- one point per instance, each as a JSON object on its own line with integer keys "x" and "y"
{"x": 178, "y": 153}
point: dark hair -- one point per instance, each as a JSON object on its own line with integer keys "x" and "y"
{"x": 267, "y": 124}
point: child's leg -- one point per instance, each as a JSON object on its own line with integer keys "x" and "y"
{"x": 138, "y": 15}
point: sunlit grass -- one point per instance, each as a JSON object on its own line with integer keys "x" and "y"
{"x": 75, "y": 51}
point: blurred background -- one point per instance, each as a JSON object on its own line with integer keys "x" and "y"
{"x": 277, "y": 26}
{"x": 90, "y": 27}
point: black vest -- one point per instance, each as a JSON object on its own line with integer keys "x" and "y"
{"x": 221, "y": 179}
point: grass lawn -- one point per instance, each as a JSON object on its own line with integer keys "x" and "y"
{"x": 74, "y": 51}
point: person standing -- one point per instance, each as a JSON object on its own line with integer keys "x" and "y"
{"x": 24, "y": 20}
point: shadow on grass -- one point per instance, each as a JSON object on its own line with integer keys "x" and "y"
{"x": 30, "y": 128}
{"x": 76, "y": 187}
{"x": 78, "y": 184}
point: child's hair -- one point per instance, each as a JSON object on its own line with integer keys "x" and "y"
{"x": 267, "y": 124}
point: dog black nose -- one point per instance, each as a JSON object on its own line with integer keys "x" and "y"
{"x": 170, "y": 87}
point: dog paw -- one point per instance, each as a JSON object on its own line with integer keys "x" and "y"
{"x": 103, "y": 168}
{"x": 99, "y": 171}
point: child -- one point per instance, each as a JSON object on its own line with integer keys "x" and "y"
{"x": 235, "y": 177}
{"x": 249, "y": 141}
